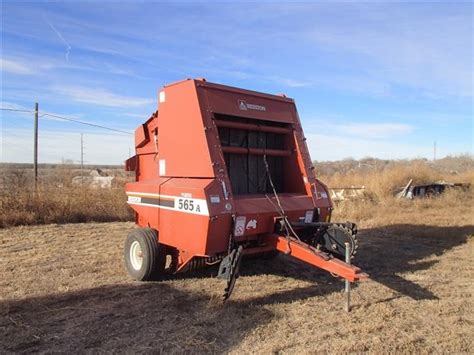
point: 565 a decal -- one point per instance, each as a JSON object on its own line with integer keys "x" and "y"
{"x": 188, "y": 205}
{"x": 177, "y": 203}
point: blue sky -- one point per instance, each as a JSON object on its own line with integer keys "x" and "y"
{"x": 369, "y": 79}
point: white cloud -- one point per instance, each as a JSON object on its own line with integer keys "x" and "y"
{"x": 12, "y": 106}
{"x": 140, "y": 116}
{"x": 292, "y": 83}
{"x": 15, "y": 67}
{"x": 340, "y": 125}
{"x": 101, "y": 97}
{"x": 337, "y": 146}
{"x": 54, "y": 146}
{"x": 431, "y": 53}
{"x": 372, "y": 130}
{"x": 335, "y": 141}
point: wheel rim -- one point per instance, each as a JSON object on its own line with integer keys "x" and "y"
{"x": 136, "y": 255}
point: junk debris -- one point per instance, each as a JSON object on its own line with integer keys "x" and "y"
{"x": 411, "y": 191}
{"x": 346, "y": 193}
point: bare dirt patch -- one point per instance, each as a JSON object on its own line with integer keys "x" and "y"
{"x": 64, "y": 288}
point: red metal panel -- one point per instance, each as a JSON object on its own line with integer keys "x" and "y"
{"x": 141, "y": 136}
{"x": 198, "y": 234}
{"x": 131, "y": 163}
{"x": 147, "y": 167}
{"x": 245, "y": 103}
{"x": 220, "y": 218}
{"x": 264, "y": 210}
{"x": 147, "y": 216}
{"x": 182, "y": 229}
{"x": 182, "y": 141}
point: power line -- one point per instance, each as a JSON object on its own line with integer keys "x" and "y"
{"x": 70, "y": 120}
{"x": 15, "y": 110}
{"x": 85, "y": 123}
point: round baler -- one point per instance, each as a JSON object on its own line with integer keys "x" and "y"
{"x": 223, "y": 172}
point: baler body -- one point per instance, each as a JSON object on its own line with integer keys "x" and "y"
{"x": 217, "y": 166}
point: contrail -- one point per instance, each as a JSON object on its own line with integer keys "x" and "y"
{"x": 68, "y": 47}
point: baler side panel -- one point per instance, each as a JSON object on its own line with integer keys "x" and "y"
{"x": 147, "y": 167}
{"x": 143, "y": 197}
{"x": 182, "y": 142}
{"x": 186, "y": 234}
{"x": 220, "y": 229}
{"x": 220, "y": 219}
{"x": 202, "y": 232}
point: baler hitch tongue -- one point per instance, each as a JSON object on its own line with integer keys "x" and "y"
{"x": 312, "y": 256}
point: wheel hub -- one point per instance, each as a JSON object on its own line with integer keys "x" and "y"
{"x": 136, "y": 255}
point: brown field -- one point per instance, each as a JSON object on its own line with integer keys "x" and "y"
{"x": 64, "y": 288}
{"x": 56, "y": 199}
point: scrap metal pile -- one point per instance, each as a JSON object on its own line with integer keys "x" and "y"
{"x": 411, "y": 191}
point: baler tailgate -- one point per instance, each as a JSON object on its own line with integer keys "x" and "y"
{"x": 312, "y": 256}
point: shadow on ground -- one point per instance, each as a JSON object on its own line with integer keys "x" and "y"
{"x": 133, "y": 317}
{"x": 155, "y": 316}
{"x": 386, "y": 252}
{"x": 159, "y": 317}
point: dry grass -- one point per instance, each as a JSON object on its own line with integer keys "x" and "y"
{"x": 455, "y": 203}
{"x": 64, "y": 289}
{"x": 65, "y": 205}
{"x": 56, "y": 200}
{"x": 383, "y": 181}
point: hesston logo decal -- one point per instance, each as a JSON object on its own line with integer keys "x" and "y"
{"x": 244, "y": 106}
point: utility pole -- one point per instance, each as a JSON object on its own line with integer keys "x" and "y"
{"x": 82, "y": 159}
{"x": 434, "y": 151}
{"x": 35, "y": 150}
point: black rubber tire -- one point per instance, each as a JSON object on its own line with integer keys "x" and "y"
{"x": 154, "y": 255}
{"x": 271, "y": 255}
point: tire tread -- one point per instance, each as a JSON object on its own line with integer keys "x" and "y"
{"x": 154, "y": 259}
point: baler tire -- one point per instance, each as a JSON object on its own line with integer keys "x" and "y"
{"x": 153, "y": 259}
{"x": 271, "y": 255}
